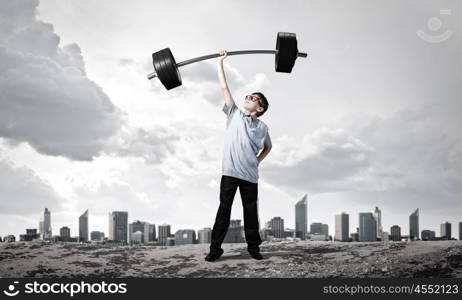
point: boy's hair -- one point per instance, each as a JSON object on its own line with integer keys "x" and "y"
{"x": 263, "y": 103}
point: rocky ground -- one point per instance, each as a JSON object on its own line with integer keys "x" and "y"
{"x": 282, "y": 259}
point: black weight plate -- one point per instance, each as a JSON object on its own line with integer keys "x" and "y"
{"x": 287, "y": 51}
{"x": 171, "y": 67}
{"x": 156, "y": 62}
{"x": 286, "y": 45}
{"x": 158, "y": 66}
{"x": 164, "y": 64}
{"x": 164, "y": 75}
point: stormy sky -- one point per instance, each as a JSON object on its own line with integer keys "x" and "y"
{"x": 370, "y": 118}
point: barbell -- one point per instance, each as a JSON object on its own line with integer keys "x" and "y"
{"x": 167, "y": 70}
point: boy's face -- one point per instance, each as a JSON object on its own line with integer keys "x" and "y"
{"x": 252, "y": 103}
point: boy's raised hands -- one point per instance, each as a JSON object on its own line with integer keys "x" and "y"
{"x": 224, "y": 54}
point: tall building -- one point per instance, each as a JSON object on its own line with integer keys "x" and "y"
{"x": 83, "y": 227}
{"x": 342, "y": 227}
{"x": 378, "y": 221}
{"x": 41, "y": 231}
{"x": 152, "y": 232}
{"x": 367, "y": 227}
{"x": 164, "y": 233}
{"x": 460, "y": 231}
{"x": 118, "y": 226}
{"x": 46, "y": 224}
{"x": 395, "y": 233}
{"x": 235, "y": 233}
{"x": 277, "y": 226}
{"x": 185, "y": 236}
{"x": 143, "y": 227}
{"x": 205, "y": 235}
{"x": 301, "y": 218}
{"x": 445, "y": 231}
{"x": 414, "y": 225}
{"x": 97, "y": 236}
{"x": 65, "y": 234}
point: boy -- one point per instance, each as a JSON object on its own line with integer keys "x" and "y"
{"x": 247, "y": 143}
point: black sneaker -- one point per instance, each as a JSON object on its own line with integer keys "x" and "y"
{"x": 214, "y": 255}
{"x": 256, "y": 255}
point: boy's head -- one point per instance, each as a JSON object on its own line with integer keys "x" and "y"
{"x": 256, "y": 102}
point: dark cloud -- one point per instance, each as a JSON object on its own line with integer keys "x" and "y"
{"x": 22, "y": 192}
{"x": 46, "y": 99}
{"x": 326, "y": 161}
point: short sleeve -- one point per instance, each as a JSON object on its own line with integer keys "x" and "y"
{"x": 229, "y": 109}
{"x": 267, "y": 142}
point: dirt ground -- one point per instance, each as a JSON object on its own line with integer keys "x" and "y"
{"x": 282, "y": 259}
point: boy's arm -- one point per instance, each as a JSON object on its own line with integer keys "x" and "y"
{"x": 221, "y": 75}
{"x": 263, "y": 154}
{"x": 266, "y": 148}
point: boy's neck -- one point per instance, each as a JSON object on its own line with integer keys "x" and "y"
{"x": 247, "y": 112}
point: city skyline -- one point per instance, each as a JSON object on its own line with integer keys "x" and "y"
{"x": 121, "y": 229}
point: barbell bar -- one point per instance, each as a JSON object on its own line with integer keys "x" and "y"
{"x": 167, "y": 70}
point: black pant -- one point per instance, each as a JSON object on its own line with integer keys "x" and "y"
{"x": 249, "y": 195}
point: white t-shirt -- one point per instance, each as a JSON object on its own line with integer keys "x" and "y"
{"x": 245, "y": 137}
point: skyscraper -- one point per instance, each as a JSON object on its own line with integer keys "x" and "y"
{"x": 414, "y": 225}
{"x": 143, "y": 227}
{"x": 367, "y": 227}
{"x": 395, "y": 233}
{"x": 83, "y": 227}
{"x": 342, "y": 227}
{"x": 460, "y": 231}
{"x": 47, "y": 224}
{"x": 445, "y": 231}
{"x": 152, "y": 232}
{"x": 65, "y": 233}
{"x": 164, "y": 233}
{"x": 118, "y": 226}
{"x": 277, "y": 226}
{"x": 301, "y": 218}
{"x": 378, "y": 220}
